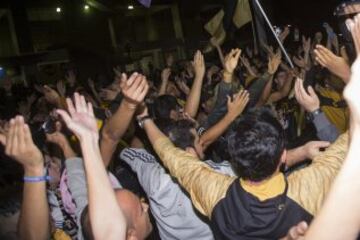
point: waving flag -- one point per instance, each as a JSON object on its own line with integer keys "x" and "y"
{"x": 145, "y": 3}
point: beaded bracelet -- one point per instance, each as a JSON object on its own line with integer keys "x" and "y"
{"x": 37, "y": 179}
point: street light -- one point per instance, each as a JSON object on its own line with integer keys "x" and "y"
{"x": 130, "y": 7}
{"x": 58, "y": 9}
{"x": 86, "y": 7}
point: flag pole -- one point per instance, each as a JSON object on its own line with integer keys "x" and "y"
{"x": 275, "y": 35}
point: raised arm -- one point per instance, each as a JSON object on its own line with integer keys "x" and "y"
{"x": 205, "y": 186}
{"x": 224, "y": 88}
{"x": 307, "y": 48}
{"x": 235, "y": 107}
{"x": 273, "y": 65}
{"x": 134, "y": 90}
{"x": 34, "y": 222}
{"x": 94, "y": 91}
{"x": 308, "y": 151}
{"x": 335, "y": 64}
{"x": 284, "y": 34}
{"x": 325, "y": 130}
{"x": 334, "y": 211}
{"x": 230, "y": 62}
{"x": 248, "y": 66}
{"x": 106, "y": 217}
{"x": 193, "y": 100}
{"x": 283, "y": 92}
{"x": 60, "y": 140}
{"x": 165, "y": 74}
{"x": 214, "y": 42}
{"x": 52, "y": 97}
{"x": 76, "y": 177}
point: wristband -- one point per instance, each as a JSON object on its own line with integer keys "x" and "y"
{"x": 37, "y": 179}
{"x": 311, "y": 116}
{"x": 142, "y": 120}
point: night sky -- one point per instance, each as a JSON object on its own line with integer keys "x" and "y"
{"x": 308, "y": 14}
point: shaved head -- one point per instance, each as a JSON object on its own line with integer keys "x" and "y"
{"x": 136, "y": 214}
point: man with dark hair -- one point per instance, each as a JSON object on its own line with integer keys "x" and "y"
{"x": 166, "y": 106}
{"x": 262, "y": 203}
{"x": 258, "y": 138}
{"x": 170, "y": 205}
{"x": 179, "y": 133}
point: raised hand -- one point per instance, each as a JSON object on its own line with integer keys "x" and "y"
{"x": 70, "y": 77}
{"x": 245, "y": 62}
{"x": 165, "y": 74}
{"x": 297, "y": 232}
{"x": 352, "y": 90}
{"x": 57, "y": 138}
{"x": 134, "y": 89}
{"x": 310, "y": 101}
{"x": 306, "y": 44}
{"x": 108, "y": 94}
{"x": 274, "y": 62}
{"x": 51, "y": 96}
{"x": 318, "y": 37}
{"x": 313, "y": 149}
{"x": 81, "y": 120}
{"x": 211, "y": 71}
{"x": 286, "y": 31}
{"x": 20, "y": 146}
{"x": 231, "y": 60}
{"x": 299, "y": 61}
{"x": 328, "y": 28}
{"x": 237, "y": 105}
{"x": 60, "y": 86}
{"x": 199, "y": 64}
{"x": 284, "y": 34}
{"x": 117, "y": 71}
{"x": 182, "y": 85}
{"x": 354, "y": 28}
{"x": 335, "y": 64}
{"x": 60, "y": 140}
{"x": 268, "y": 49}
{"x": 169, "y": 60}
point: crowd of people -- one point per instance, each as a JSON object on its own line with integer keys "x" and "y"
{"x": 248, "y": 148}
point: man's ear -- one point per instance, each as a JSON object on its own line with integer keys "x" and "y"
{"x": 191, "y": 150}
{"x": 131, "y": 234}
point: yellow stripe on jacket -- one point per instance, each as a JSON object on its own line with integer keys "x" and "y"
{"x": 309, "y": 186}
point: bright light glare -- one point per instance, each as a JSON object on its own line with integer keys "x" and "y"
{"x": 86, "y": 7}
{"x": 130, "y": 7}
{"x": 58, "y": 9}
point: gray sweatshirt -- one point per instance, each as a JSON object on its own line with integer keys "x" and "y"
{"x": 78, "y": 187}
{"x": 170, "y": 206}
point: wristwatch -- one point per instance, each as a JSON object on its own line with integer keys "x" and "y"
{"x": 142, "y": 120}
{"x": 311, "y": 116}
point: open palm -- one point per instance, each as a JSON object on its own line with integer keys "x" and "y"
{"x": 81, "y": 120}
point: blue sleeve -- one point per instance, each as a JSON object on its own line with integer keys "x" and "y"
{"x": 325, "y": 130}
